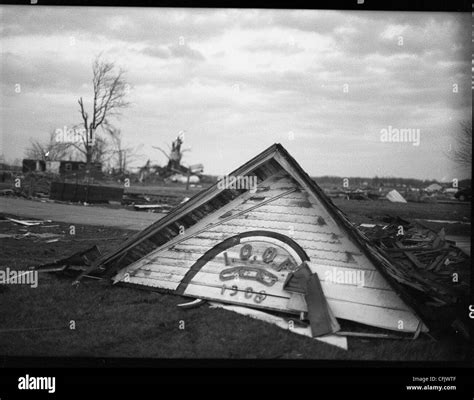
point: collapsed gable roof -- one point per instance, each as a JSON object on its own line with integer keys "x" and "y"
{"x": 272, "y": 160}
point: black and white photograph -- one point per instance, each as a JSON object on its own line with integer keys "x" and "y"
{"x": 223, "y": 183}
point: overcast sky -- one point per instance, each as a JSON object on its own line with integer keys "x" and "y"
{"x": 322, "y": 83}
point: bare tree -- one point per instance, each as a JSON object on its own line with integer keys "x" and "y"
{"x": 110, "y": 91}
{"x": 462, "y": 153}
{"x": 175, "y": 153}
{"x": 49, "y": 150}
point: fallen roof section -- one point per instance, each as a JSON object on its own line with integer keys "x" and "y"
{"x": 238, "y": 245}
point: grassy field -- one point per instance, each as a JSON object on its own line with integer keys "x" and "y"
{"x": 113, "y": 321}
{"x": 123, "y": 322}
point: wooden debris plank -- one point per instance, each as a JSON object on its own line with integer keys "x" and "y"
{"x": 414, "y": 260}
{"x": 321, "y": 319}
{"x": 437, "y": 262}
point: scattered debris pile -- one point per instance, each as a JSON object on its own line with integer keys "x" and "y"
{"x": 432, "y": 267}
{"x": 25, "y": 233}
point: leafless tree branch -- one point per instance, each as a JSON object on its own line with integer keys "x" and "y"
{"x": 109, "y": 99}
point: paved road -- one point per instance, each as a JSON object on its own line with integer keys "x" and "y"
{"x": 120, "y": 218}
{"x": 77, "y": 214}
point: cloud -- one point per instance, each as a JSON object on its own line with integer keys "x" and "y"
{"x": 173, "y": 51}
{"x": 239, "y": 80}
{"x": 145, "y": 25}
{"x": 158, "y": 52}
{"x": 285, "y": 48}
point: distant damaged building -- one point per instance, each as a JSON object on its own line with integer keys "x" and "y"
{"x": 63, "y": 168}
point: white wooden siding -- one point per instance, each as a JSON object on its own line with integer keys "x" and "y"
{"x": 298, "y": 216}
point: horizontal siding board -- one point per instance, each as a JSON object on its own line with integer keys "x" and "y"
{"x": 238, "y": 225}
{"x": 226, "y": 231}
{"x": 219, "y": 236}
{"x": 320, "y": 244}
{"x": 260, "y": 214}
{"x": 341, "y": 263}
{"x": 218, "y": 261}
{"x": 175, "y": 276}
{"x": 372, "y": 278}
{"x": 316, "y": 253}
{"x": 374, "y": 316}
{"x": 168, "y": 266}
{"x": 168, "y": 285}
{"x": 279, "y": 207}
{"x": 363, "y": 295}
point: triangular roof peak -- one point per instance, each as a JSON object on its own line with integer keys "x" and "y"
{"x": 275, "y": 159}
